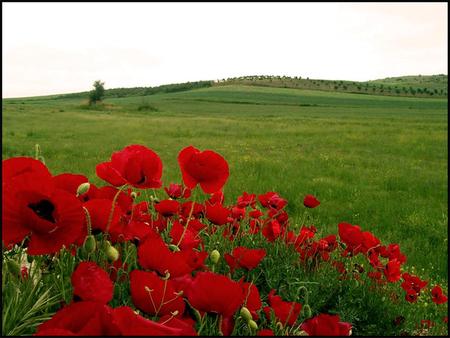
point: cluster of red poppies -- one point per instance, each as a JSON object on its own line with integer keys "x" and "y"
{"x": 174, "y": 285}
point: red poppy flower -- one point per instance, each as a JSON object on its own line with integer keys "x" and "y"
{"x": 244, "y": 258}
{"x": 136, "y": 165}
{"x": 81, "y": 318}
{"x": 237, "y": 213}
{"x": 326, "y": 325}
{"x": 216, "y": 197}
{"x": 211, "y": 292}
{"x": 437, "y": 295}
{"x": 252, "y": 299}
{"x": 167, "y": 208}
{"x": 131, "y": 324}
{"x": 153, "y": 254}
{"x": 185, "y": 324}
{"x": 272, "y": 200}
{"x": 411, "y": 296}
{"x": 32, "y": 205}
{"x": 177, "y": 191}
{"x": 187, "y": 209}
{"x": 69, "y": 182}
{"x": 392, "y": 271}
{"x": 255, "y": 214}
{"x": 265, "y": 332}
{"x": 153, "y": 295}
{"x": 16, "y": 166}
{"x": 189, "y": 237}
{"x": 286, "y": 312}
{"x": 226, "y": 326}
{"x": 351, "y": 235}
{"x": 246, "y": 200}
{"x": 412, "y": 282}
{"x": 207, "y": 168}
{"x": 92, "y": 283}
{"x": 272, "y": 230}
{"x": 217, "y": 213}
{"x": 392, "y": 251}
{"x": 310, "y": 201}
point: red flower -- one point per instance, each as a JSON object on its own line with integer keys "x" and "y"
{"x": 69, "y": 182}
{"x": 392, "y": 271}
{"x": 92, "y": 283}
{"x": 272, "y": 230}
{"x": 310, "y": 201}
{"x": 252, "y": 299}
{"x": 153, "y": 295}
{"x": 286, "y": 312}
{"x": 412, "y": 285}
{"x": 216, "y": 197}
{"x": 190, "y": 238}
{"x": 326, "y": 325}
{"x": 186, "y": 324}
{"x": 136, "y": 165}
{"x": 265, "y": 332}
{"x": 217, "y": 213}
{"x": 212, "y": 292}
{"x": 16, "y": 166}
{"x": 153, "y": 254}
{"x": 245, "y": 200}
{"x": 32, "y": 205}
{"x": 244, "y": 258}
{"x": 352, "y": 236}
{"x": 177, "y": 191}
{"x": 272, "y": 200}
{"x": 207, "y": 168}
{"x": 80, "y": 318}
{"x": 437, "y": 295}
{"x": 167, "y": 208}
{"x": 131, "y": 324}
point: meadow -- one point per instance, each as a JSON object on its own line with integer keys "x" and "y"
{"x": 376, "y": 161}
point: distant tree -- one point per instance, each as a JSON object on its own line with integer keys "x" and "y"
{"x": 96, "y": 95}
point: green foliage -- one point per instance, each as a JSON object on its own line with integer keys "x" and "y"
{"x": 97, "y": 94}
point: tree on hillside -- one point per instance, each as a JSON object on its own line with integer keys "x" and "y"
{"x": 96, "y": 95}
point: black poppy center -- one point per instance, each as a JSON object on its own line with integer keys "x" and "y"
{"x": 44, "y": 209}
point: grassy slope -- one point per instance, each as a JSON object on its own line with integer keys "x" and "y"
{"x": 411, "y": 86}
{"x": 376, "y": 161}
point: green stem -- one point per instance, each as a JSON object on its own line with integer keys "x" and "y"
{"x": 113, "y": 207}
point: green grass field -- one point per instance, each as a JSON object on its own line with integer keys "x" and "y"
{"x": 377, "y": 161}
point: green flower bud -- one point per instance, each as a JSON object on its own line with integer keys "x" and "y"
{"x": 133, "y": 195}
{"x": 112, "y": 253}
{"x": 13, "y": 267}
{"x": 174, "y": 247}
{"x": 245, "y": 313}
{"x": 307, "y": 311}
{"x": 215, "y": 256}
{"x": 90, "y": 244}
{"x": 252, "y": 324}
{"x": 83, "y": 188}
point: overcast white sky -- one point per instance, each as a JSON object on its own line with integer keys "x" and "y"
{"x": 63, "y": 47}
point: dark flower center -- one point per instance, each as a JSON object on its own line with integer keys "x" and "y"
{"x": 44, "y": 209}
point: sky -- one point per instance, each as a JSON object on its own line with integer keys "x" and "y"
{"x": 51, "y": 48}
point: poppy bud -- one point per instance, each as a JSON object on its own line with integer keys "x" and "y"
{"x": 245, "y": 313}
{"x": 90, "y": 244}
{"x": 13, "y": 267}
{"x": 112, "y": 253}
{"x": 133, "y": 195}
{"x": 215, "y": 256}
{"x": 307, "y": 311}
{"x": 252, "y": 324}
{"x": 174, "y": 247}
{"x": 83, "y": 188}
